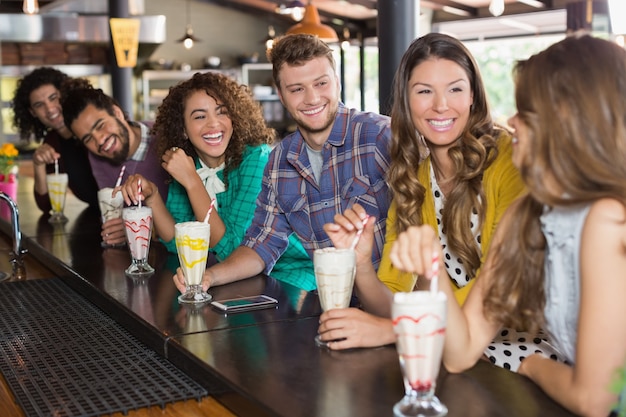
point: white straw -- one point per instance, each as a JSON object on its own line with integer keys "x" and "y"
{"x": 358, "y": 234}
{"x": 119, "y": 178}
{"x": 56, "y": 166}
{"x": 433, "y": 281}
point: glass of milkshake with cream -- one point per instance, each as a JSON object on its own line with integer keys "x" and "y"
{"x": 334, "y": 275}
{"x": 192, "y": 245}
{"x": 110, "y": 208}
{"x": 419, "y": 322}
{"x": 57, "y": 189}
{"x": 138, "y": 225}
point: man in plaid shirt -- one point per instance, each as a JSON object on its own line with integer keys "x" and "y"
{"x": 337, "y": 157}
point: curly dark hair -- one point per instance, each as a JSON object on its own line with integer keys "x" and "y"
{"x": 249, "y": 127}
{"x": 23, "y": 120}
{"x": 78, "y": 94}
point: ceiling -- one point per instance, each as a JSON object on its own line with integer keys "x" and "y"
{"x": 462, "y": 18}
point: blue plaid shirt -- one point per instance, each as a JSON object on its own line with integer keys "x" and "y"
{"x": 355, "y": 162}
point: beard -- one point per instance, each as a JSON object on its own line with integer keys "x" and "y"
{"x": 332, "y": 114}
{"x": 124, "y": 137}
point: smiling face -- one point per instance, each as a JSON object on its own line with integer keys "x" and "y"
{"x": 45, "y": 105}
{"x": 310, "y": 93}
{"x": 440, "y": 97}
{"x": 103, "y": 134}
{"x": 208, "y": 127}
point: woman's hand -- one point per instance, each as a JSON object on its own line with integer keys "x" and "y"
{"x": 130, "y": 190}
{"x": 180, "y": 166}
{"x": 353, "y": 328}
{"x": 45, "y": 154}
{"x": 415, "y": 249}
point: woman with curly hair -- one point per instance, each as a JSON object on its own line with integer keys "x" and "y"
{"x": 37, "y": 112}
{"x": 558, "y": 257}
{"x": 214, "y": 143}
{"x": 451, "y": 169}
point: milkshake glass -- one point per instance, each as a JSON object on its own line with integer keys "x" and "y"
{"x": 192, "y": 245}
{"x": 334, "y": 275}
{"x": 419, "y": 322}
{"x": 110, "y": 208}
{"x": 138, "y": 225}
{"x": 57, "y": 189}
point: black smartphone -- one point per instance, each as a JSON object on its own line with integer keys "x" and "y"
{"x": 236, "y": 305}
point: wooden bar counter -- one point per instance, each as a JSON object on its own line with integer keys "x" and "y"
{"x": 262, "y": 363}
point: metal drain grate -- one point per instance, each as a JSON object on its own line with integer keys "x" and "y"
{"x": 62, "y": 356}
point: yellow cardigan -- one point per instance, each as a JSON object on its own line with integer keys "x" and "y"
{"x": 502, "y": 184}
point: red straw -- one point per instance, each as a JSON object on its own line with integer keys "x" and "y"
{"x": 433, "y": 281}
{"x": 119, "y": 178}
{"x": 208, "y": 213}
{"x": 139, "y": 192}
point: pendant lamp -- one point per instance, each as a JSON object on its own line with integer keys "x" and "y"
{"x": 312, "y": 25}
{"x": 188, "y": 38}
{"x": 30, "y": 6}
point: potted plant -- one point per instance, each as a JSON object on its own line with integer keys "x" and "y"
{"x": 8, "y": 169}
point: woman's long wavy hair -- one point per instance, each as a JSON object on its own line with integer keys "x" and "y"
{"x": 473, "y": 152}
{"x": 575, "y": 113}
{"x": 249, "y": 127}
{"x": 23, "y": 119}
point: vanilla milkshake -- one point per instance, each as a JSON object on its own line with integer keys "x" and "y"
{"x": 110, "y": 207}
{"x": 57, "y": 189}
{"x": 192, "y": 245}
{"x": 334, "y": 274}
{"x": 138, "y": 225}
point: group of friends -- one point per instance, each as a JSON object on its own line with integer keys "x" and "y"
{"x": 528, "y": 222}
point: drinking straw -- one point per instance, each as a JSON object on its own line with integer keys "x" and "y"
{"x": 119, "y": 178}
{"x": 358, "y": 234}
{"x": 208, "y": 213}
{"x": 139, "y": 192}
{"x": 433, "y": 281}
{"x": 56, "y": 167}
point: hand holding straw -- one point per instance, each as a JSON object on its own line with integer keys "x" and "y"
{"x": 119, "y": 178}
{"x": 208, "y": 213}
{"x": 139, "y": 192}
{"x": 358, "y": 234}
{"x": 434, "y": 285}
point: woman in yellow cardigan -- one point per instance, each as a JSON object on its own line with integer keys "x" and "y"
{"x": 451, "y": 169}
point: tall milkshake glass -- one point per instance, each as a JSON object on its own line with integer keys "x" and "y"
{"x": 110, "y": 208}
{"x": 138, "y": 225}
{"x": 419, "y": 321}
{"x": 57, "y": 189}
{"x": 334, "y": 275}
{"x": 192, "y": 245}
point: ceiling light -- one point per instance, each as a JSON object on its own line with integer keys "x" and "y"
{"x": 496, "y": 7}
{"x": 188, "y": 38}
{"x": 312, "y": 25}
{"x": 294, "y": 8}
{"x": 30, "y": 6}
{"x": 269, "y": 39}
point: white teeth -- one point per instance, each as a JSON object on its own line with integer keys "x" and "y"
{"x": 441, "y": 123}
{"x": 213, "y": 136}
{"x": 312, "y": 112}
{"x": 108, "y": 144}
